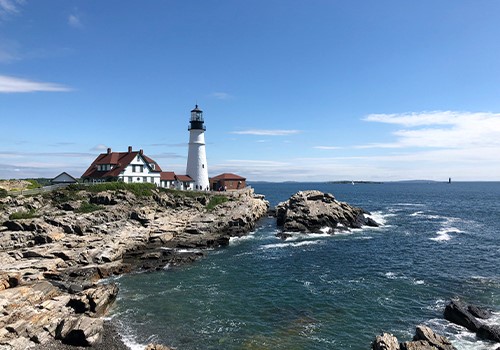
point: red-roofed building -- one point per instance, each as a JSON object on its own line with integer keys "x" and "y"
{"x": 133, "y": 167}
{"x": 227, "y": 181}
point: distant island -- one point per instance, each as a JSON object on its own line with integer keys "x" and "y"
{"x": 350, "y": 182}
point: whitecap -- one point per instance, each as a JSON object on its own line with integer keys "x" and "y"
{"x": 284, "y": 245}
{"x": 237, "y": 240}
{"x": 390, "y": 275}
{"x": 380, "y": 217}
{"x": 418, "y": 282}
{"x": 443, "y": 234}
{"x": 417, "y": 213}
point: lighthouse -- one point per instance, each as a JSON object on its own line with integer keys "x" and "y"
{"x": 197, "y": 157}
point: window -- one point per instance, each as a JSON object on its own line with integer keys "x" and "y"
{"x": 141, "y": 168}
{"x": 145, "y": 179}
{"x": 152, "y": 166}
{"x": 203, "y": 165}
{"x": 130, "y": 179}
{"x": 133, "y": 168}
{"x": 152, "y": 180}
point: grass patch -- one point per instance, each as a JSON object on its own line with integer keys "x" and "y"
{"x": 180, "y": 193}
{"x": 139, "y": 189}
{"x": 215, "y": 201}
{"x": 33, "y": 184}
{"x": 87, "y": 207}
{"x": 23, "y": 215}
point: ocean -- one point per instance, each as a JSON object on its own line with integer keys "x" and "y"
{"x": 438, "y": 241}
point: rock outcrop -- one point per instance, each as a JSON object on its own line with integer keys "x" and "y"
{"x": 315, "y": 211}
{"x": 424, "y": 339}
{"x": 56, "y": 247}
{"x": 471, "y": 317}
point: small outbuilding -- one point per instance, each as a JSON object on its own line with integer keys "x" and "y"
{"x": 63, "y": 178}
{"x": 227, "y": 181}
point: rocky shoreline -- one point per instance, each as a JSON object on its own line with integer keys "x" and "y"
{"x": 56, "y": 247}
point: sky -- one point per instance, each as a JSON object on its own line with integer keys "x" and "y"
{"x": 291, "y": 90}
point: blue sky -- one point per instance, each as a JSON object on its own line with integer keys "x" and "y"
{"x": 291, "y": 90}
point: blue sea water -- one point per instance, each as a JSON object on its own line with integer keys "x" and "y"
{"x": 438, "y": 241}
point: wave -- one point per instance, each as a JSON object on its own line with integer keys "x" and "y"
{"x": 459, "y": 336}
{"x": 285, "y": 245}
{"x": 443, "y": 234}
{"x": 381, "y": 217}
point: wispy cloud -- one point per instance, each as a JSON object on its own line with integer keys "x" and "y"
{"x": 98, "y": 148}
{"x": 17, "y": 85}
{"x": 221, "y": 95}
{"x": 327, "y": 147}
{"x": 167, "y": 155}
{"x": 268, "y": 132}
{"x": 441, "y": 129}
{"x": 9, "y": 7}
{"x": 9, "y": 51}
{"x": 75, "y": 21}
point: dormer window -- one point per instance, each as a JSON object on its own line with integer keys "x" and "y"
{"x": 152, "y": 166}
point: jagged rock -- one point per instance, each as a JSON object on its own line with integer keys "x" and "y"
{"x": 157, "y": 347}
{"x": 105, "y": 198}
{"x": 386, "y": 341}
{"x": 426, "y": 334}
{"x": 490, "y": 332}
{"x": 312, "y": 211}
{"x": 416, "y": 345}
{"x": 80, "y": 330}
{"x": 457, "y": 312}
{"x": 101, "y": 298}
{"x": 479, "y": 312}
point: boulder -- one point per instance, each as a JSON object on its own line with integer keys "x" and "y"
{"x": 315, "y": 211}
{"x": 489, "y": 332}
{"x": 479, "y": 312}
{"x": 80, "y": 330}
{"x": 386, "y": 341}
{"x": 426, "y": 334}
{"x": 458, "y": 313}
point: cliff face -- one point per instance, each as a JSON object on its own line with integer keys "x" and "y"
{"x": 55, "y": 247}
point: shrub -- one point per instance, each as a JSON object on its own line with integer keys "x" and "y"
{"x": 23, "y": 215}
{"x": 33, "y": 184}
{"x": 87, "y": 207}
{"x": 215, "y": 201}
{"x": 3, "y": 193}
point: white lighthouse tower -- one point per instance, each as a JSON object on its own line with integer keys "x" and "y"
{"x": 197, "y": 157}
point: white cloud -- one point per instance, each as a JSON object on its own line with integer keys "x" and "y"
{"x": 221, "y": 95}
{"x": 74, "y": 21}
{"x": 264, "y": 132}
{"x": 13, "y": 85}
{"x": 9, "y": 6}
{"x": 99, "y": 147}
{"x": 443, "y": 129}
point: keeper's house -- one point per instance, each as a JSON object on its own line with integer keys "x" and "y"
{"x": 133, "y": 167}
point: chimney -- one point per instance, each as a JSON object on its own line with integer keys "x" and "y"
{"x": 109, "y": 150}
{"x": 129, "y": 149}
{"x": 141, "y": 152}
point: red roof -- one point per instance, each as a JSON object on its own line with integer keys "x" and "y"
{"x": 167, "y": 176}
{"x": 184, "y": 178}
{"x": 119, "y": 161}
{"x": 228, "y": 176}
